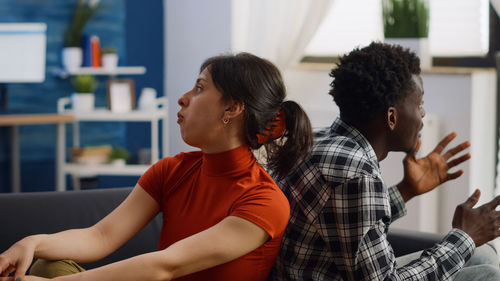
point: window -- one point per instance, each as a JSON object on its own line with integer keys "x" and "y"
{"x": 456, "y": 28}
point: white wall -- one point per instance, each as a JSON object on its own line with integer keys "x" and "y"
{"x": 309, "y": 88}
{"x": 194, "y": 31}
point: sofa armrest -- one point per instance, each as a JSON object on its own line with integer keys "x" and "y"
{"x": 409, "y": 241}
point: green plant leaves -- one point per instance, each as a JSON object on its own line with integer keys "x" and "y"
{"x": 405, "y": 18}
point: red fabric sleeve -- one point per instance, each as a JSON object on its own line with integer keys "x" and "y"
{"x": 267, "y": 207}
{"x": 152, "y": 180}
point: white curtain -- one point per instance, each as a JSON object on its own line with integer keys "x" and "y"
{"x": 278, "y": 30}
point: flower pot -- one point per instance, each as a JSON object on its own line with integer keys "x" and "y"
{"x": 418, "y": 45}
{"x": 118, "y": 162}
{"x": 72, "y": 58}
{"x": 82, "y": 102}
{"x": 109, "y": 61}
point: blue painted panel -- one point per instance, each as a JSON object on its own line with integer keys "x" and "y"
{"x": 38, "y": 142}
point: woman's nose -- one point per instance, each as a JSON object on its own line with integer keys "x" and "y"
{"x": 183, "y": 100}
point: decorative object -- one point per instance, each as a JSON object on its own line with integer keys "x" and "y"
{"x": 121, "y": 95}
{"x": 91, "y": 155}
{"x": 147, "y": 99}
{"x": 83, "y": 99}
{"x": 109, "y": 58}
{"x": 72, "y": 51}
{"x": 406, "y": 23}
{"x": 119, "y": 156}
{"x": 72, "y": 58}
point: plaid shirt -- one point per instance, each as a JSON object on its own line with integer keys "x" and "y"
{"x": 340, "y": 213}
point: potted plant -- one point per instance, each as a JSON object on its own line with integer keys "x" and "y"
{"x": 119, "y": 156}
{"x": 72, "y": 51}
{"x": 109, "y": 58}
{"x": 83, "y": 98}
{"x": 406, "y": 22}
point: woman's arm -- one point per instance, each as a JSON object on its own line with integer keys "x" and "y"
{"x": 231, "y": 238}
{"x": 98, "y": 241}
{"x": 87, "y": 244}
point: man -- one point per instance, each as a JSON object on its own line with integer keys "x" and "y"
{"x": 340, "y": 207}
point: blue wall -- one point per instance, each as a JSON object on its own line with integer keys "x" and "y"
{"x": 136, "y": 31}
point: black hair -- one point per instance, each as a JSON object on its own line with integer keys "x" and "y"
{"x": 369, "y": 80}
{"x": 258, "y": 84}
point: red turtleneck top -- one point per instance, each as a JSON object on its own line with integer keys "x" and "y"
{"x": 196, "y": 191}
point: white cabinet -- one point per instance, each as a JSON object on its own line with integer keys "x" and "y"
{"x": 104, "y": 115}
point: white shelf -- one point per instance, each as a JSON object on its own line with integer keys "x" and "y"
{"x": 103, "y": 114}
{"x": 120, "y": 70}
{"x": 105, "y": 169}
{"x": 152, "y": 116}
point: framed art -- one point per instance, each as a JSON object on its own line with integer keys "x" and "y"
{"x": 121, "y": 95}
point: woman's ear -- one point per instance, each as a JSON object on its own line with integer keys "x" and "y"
{"x": 234, "y": 109}
{"x": 392, "y": 117}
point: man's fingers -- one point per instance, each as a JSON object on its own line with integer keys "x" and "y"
{"x": 493, "y": 203}
{"x": 454, "y": 175}
{"x": 472, "y": 200}
{"x": 444, "y": 142}
{"x": 456, "y": 150}
{"x": 417, "y": 147}
{"x": 458, "y": 160}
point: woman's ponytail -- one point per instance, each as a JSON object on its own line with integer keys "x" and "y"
{"x": 286, "y": 153}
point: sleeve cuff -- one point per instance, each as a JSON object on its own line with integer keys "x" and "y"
{"x": 460, "y": 240}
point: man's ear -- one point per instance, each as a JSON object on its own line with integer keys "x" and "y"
{"x": 233, "y": 109}
{"x": 392, "y": 117}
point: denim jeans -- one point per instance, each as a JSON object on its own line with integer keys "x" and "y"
{"x": 483, "y": 265}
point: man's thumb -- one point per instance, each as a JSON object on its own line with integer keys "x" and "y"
{"x": 473, "y": 199}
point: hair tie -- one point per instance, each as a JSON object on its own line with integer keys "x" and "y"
{"x": 275, "y": 130}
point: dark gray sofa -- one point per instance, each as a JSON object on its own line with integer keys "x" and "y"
{"x": 23, "y": 214}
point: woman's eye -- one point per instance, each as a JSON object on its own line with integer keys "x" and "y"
{"x": 198, "y": 89}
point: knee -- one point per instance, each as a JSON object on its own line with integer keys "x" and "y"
{"x": 489, "y": 272}
{"x": 52, "y": 269}
{"x": 486, "y": 254}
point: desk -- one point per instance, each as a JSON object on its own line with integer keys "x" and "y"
{"x": 14, "y": 121}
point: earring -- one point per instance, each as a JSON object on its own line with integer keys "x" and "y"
{"x": 225, "y": 121}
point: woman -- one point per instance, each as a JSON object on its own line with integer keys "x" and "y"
{"x": 223, "y": 215}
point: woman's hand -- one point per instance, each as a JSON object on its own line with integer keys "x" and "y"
{"x": 424, "y": 174}
{"x": 17, "y": 258}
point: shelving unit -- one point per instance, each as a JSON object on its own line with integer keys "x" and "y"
{"x": 120, "y": 70}
{"x": 104, "y": 115}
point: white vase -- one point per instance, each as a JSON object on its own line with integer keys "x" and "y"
{"x": 72, "y": 58}
{"x": 109, "y": 61}
{"x": 418, "y": 45}
{"x": 82, "y": 102}
{"x": 147, "y": 99}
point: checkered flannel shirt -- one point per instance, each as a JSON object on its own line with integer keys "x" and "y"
{"x": 340, "y": 213}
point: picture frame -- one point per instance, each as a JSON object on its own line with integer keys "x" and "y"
{"x": 120, "y": 95}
